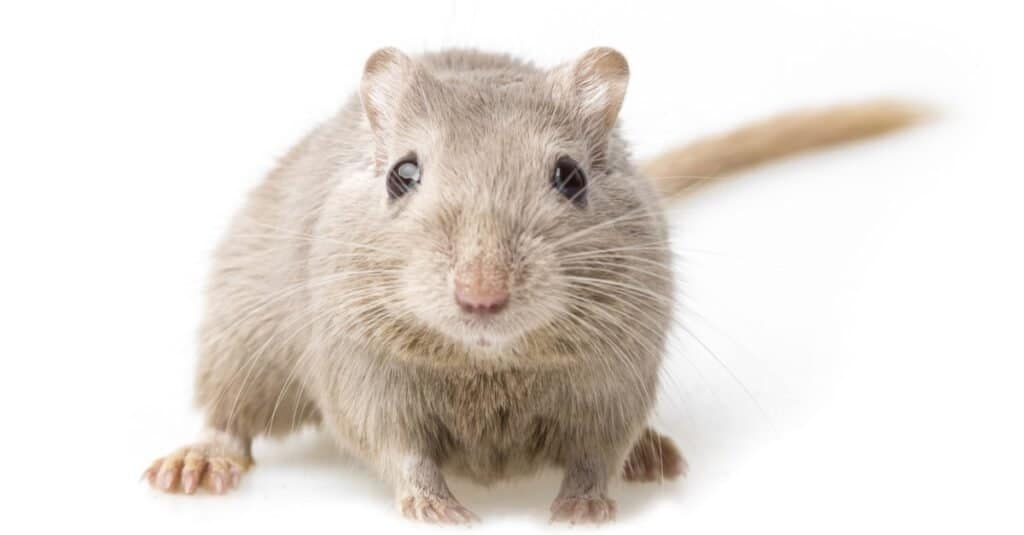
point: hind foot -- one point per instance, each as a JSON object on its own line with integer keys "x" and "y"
{"x": 654, "y": 458}
{"x": 215, "y": 464}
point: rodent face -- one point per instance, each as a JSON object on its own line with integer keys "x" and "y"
{"x": 494, "y": 243}
{"x": 485, "y": 222}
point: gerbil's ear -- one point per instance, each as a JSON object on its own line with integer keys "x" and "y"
{"x": 387, "y": 74}
{"x": 596, "y": 84}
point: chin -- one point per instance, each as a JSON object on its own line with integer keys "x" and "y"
{"x": 489, "y": 343}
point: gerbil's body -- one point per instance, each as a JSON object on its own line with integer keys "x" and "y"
{"x": 332, "y": 302}
{"x": 461, "y": 271}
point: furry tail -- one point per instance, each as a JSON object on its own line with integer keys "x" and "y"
{"x": 680, "y": 170}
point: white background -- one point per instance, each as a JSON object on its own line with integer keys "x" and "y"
{"x": 863, "y": 305}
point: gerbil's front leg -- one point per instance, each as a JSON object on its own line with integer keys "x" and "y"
{"x": 583, "y": 497}
{"x": 216, "y": 462}
{"x": 423, "y": 493}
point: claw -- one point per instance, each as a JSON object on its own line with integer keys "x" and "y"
{"x": 189, "y": 482}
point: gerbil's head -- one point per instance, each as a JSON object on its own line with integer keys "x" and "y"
{"x": 502, "y": 204}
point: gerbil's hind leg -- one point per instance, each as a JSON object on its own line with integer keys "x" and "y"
{"x": 423, "y": 494}
{"x": 654, "y": 457}
{"x": 215, "y": 463}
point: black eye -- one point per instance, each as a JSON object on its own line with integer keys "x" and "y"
{"x": 569, "y": 180}
{"x": 403, "y": 177}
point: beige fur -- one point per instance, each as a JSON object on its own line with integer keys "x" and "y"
{"x": 331, "y": 304}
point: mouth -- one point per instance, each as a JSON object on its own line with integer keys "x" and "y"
{"x": 478, "y": 323}
{"x": 483, "y": 332}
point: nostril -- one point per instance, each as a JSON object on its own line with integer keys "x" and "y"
{"x": 481, "y": 302}
{"x": 482, "y": 309}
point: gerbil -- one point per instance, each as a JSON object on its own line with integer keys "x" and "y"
{"x": 462, "y": 271}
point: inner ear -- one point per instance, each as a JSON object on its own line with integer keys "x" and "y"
{"x": 596, "y": 83}
{"x": 388, "y": 72}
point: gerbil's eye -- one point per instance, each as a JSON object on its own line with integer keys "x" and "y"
{"x": 569, "y": 180}
{"x": 403, "y": 177}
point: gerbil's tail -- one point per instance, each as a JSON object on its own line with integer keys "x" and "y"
{"x": 680, "y": 170}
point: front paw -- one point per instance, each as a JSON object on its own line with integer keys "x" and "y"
{"x": 206, "y": 465}
{"x": 583, "y": 509}
{"x": 435, "y": 509}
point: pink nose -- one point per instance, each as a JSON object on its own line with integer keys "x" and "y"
{"x": 480, "y": 292}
